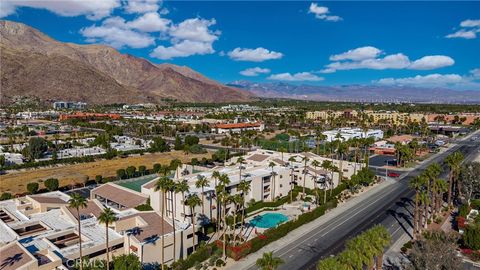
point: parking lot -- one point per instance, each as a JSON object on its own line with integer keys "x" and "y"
{"x": 382, "y": 160}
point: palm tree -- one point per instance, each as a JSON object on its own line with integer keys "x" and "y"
{"x": 268, "y": 261}
{"x": 379, "y": 238}
{"x": 341, "y": 150}
{"x": 329, "y": 264}
{"x": 273, "y": 174}
{"x": 216, "y": 176}
{"x": 202, "y": 182}
{"x": 326, "y": 165}
{"x": 224, "y": 197}
{"x": 454, "y": 162}
{"x": 244, "y": 187}
{"x": 305, "y": 160}
{"x": 163, "y": 184}
{"x": 174, "y": 165}
{"x": 315, "y": 163}
{"x": 107, "y": 217}
{"x": 424, "y": 201}
{"x": 174, "y": 189}
{"x": 416, "y": 183}
{"x": 351, "y": 259}
{"x": 77, "y": 201}
{"x": 236, "y": 200}
{"x": 441, "y": 186}
{"x": 240, "y": 161}
{"x": 431, "y": 173}
{"x": 292, "y": 168}
{"x": 362, "y": 246}
{"x": 182, "y": 187}
{"x": 192, "y": 201}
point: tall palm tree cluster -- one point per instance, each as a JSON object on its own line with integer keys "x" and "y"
{"x": 365, "y": 250}
{"x": 107, "y": 217}
{"x": 429, "y": 191}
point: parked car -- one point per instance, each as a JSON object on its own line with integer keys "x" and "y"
{"x": 393, "y": 174}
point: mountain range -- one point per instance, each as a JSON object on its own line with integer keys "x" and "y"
{"x": 35, "y": 65}
{"x": 357, "y": 93}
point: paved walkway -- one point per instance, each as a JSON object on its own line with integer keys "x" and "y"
{"x": 305, "y": 229}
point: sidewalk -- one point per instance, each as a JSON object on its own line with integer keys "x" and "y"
{"x": 305, "y": 229}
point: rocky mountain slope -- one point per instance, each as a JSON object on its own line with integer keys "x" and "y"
{"x": 34, "y": 64}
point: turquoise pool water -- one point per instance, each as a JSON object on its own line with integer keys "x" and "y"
{"x": 268, "y": 220}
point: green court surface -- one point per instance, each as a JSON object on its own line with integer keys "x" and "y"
{"x": 136, "y": 184}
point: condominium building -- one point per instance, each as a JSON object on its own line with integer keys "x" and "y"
{"x": 346, "y": 134}
{"x": 387, "y": 117}
{"x": 45, "y": 230}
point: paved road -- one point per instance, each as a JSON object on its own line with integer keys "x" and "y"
{"x": 390, "y": 207}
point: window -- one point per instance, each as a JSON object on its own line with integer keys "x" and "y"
{"x": 281, "y": 185}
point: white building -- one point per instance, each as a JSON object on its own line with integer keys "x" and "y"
{"x": 351, "y": 133}
{"x": 237, "y": 127}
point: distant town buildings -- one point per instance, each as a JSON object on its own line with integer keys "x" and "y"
{"x": 80, "y": 115}
{"x": 237, "y": 127}
{"x": 59, "y": 105}
{"x": 392, "y": 117}
{"x": 376, "y": 117}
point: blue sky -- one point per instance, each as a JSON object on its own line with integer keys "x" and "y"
{"x": 320, "y": 42}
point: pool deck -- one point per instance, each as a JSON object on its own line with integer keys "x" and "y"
{"x": 292, "y": 211}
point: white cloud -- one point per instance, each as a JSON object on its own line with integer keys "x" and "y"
{"x": 427, "y": 80}
{"x": 92, "y": 9}
{"x": 252, "y": 72}
{"x": 466, "y": 34}
{"x": 361, "y": 53}
{"x": 467, "y": 82}
{"x": 196, "y": 29}
{"x": 190, "y": 37}
{"x": 470, "y": 23}
{"x": 116, "y": 33}
{"x": 150, "y": 22}
{"x": 432, "y": 62}
{"x": 469, "y": 30}
{"x": 141, "y": 6}
{"x": 182, "y": 49}
{"x": 297, "y": 77}
{"x": 475, "y": 73}
{"x": 368, "y": 57}
{"x": 254, "y": 55}
{"x": 322, "y": 13}
{"x": 393, "y": 61}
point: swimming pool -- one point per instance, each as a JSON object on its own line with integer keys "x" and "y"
{"x": 268, "y": 220}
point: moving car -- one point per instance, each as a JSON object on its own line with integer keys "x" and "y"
{"x": 393, "y": 174}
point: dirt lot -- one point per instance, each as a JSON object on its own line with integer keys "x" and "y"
{"x": 16, "y": 182}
